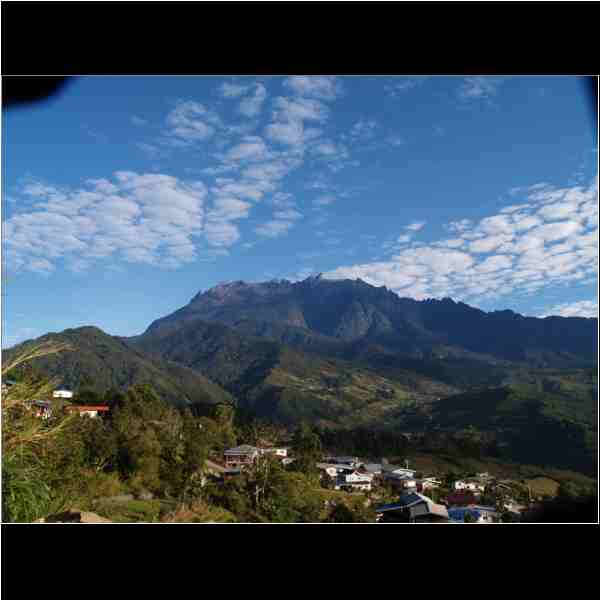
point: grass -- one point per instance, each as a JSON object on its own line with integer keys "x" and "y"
{"x": 351, "y": 499}
{"x": 133, "y": 511}
{"x": 542, "y": 486}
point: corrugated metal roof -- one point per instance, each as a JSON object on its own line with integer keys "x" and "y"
{"x": 243, "y": 449}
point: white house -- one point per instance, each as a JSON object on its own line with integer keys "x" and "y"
{"x": 472, "y": 486}
{"x": 393, "y": 469}
{"x": 333, "y": 470}
{"x": 430, "y": 483}
{"x": 62, "y": 394}
{"x": 90, "y": 411}
{"x": 355, "y": 481}
{"x": 241, "y": 455}
{"x": 400, "y": 477}
{"x": 280, "y": 452}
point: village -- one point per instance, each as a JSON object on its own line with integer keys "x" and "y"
{"x": 414, "y": 492}
{"x": 396, "y": 493}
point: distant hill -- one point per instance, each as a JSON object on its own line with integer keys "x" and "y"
{"x": 550, "y": 422}
{"x": 103, "y": 362}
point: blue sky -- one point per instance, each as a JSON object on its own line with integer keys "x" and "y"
{"x": 125, "y": 196}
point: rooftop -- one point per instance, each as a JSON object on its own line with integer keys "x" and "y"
{"x": 243, "y": 449}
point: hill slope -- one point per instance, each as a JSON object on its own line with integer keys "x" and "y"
{"x": 550, "y": 422}
{"x": 275, "y": 381}
{"x": 104, "y": 362}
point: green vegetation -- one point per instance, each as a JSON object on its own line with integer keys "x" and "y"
{"x": 530, "y": 425}
{"x": 100, "y": 363}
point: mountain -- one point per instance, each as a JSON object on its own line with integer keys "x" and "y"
{"x": 103, "y": 362}
{"x": 345, "y": 354}
{"x": 347, "y": 317}
{"x": 279, "y": 382}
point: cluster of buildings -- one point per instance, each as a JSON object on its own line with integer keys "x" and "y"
{"x": 45, "y": 408}
{"x": 350, "y": 474}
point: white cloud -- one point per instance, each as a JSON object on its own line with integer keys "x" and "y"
{"x": 289, "y": 214}
{"x": 139, "y": 122}
{"x": 458, "y": 226}
{"x": 232, "y": 90}
{"x": 190, "y": 121}
{"x": 299, "y": 109}
{"x": 487, "y": 244}
{"x": 475, "y": 88}
{"x": 221, "y": 233}
{"x": 274, "y": 228}
{"x": 515, "y": 251}
{"x": 583, "y": 308}
{"x": 150, "y": 218}
{"x": 416, "y": 226}
{"x": 252, "y": 105}
{"x": 290, "y": 133}
{"x": 364, "y": 129}
{"x": 252, "y": 148}
{"x": 229, "y": 209}
{"x": 323, "y": 87}
{"x": 400, "y": 85}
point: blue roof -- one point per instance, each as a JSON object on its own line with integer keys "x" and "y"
{"x": 458, "y": 514}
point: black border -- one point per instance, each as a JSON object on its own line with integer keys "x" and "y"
{"x": 87, "y": 38}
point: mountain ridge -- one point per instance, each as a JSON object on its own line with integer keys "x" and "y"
{"x": 329, "y": 310}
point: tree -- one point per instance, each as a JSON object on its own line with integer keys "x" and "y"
{"x": 469, "y": 518}
{"x": 307, "y": 449}
{"x": 341, "y": 513}
{"x": 195, "y": 453}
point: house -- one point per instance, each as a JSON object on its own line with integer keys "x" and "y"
{"x": 430, "y": 483}
{"x": 477, "y": 515}
{"x": 91, "y": 411}
{"x": 333, "y": 470}
{"x": 371, "y": 468}
{"x": 352, "y": 461}
{"x": 62, "y": 394}
{"x": 241, "y": 456}
{"x": 471, "y": 486}
{"x": 402, "y": 481}
{"x": 354, "y": 481}
{"x": 412, "y": 508}
{"x": 428, "y": 512}
{"x": 280, "y": 452}
{"x": 387, "y": 468}
{"x": 41, "y": 408}
{"x": 399, "y": 477}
